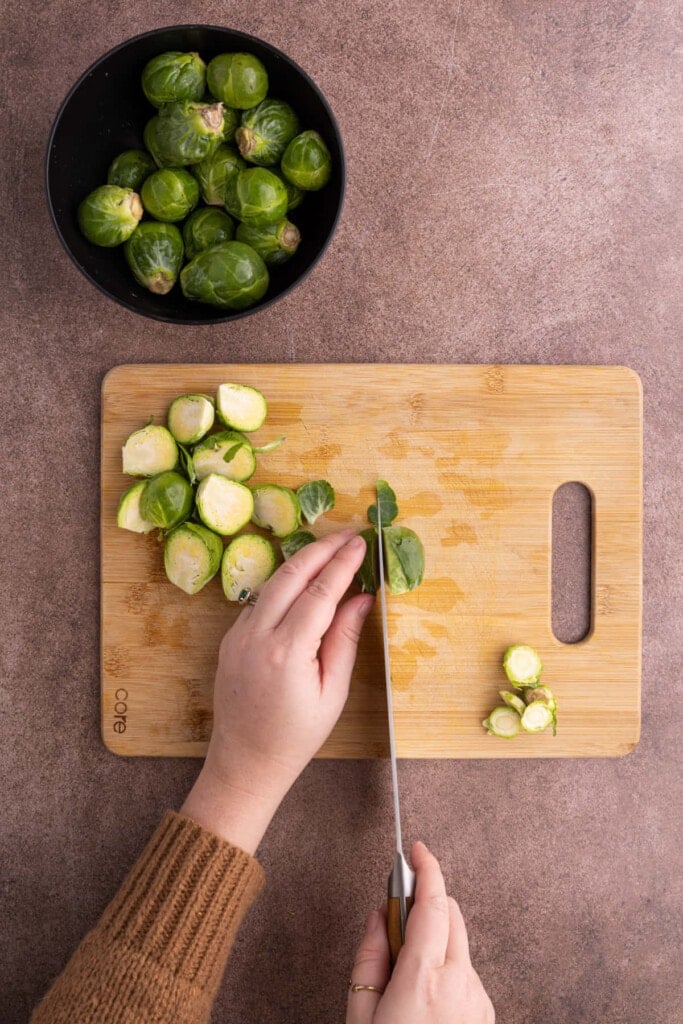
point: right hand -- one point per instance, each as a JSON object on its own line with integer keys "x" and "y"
{"x": 433, "y": 980}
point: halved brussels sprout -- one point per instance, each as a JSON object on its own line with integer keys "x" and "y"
{"x": 154, "y": 252}
{"x": 307, "y": 162}
{"x": 170, "y": 194}
{"x": 227, "y": 453}
{"x": 128, "y": 515}
{"x": 109, "y": 215}
{"x": 248, "y": 561}
{"x": 522, "y": 665}
{"x": 224, "y": 505}
{"x": 241, "y": 407}
{"x": 238, "y": 79}
{"x": 295, "y": 196}
{"x": 537, "y": 716}
{"x": 275, "y": 243}
{"x": 190, "y": 417}
{"x": 149, "y": 451}
{"x": 503, "y": 722}
{"x": 265, "y": 132}
{"x": 205, "y": 228}
{"x": 404, "y": 556}
{"x": 174, "y": 76}
{"x": 231, "y": 275}
{"x": 256, "y": 196}
{"x": 166, "y": 500}
{"x": 215, "y": 171}
{"x": 130, "y": 168}
{"x": 184, "y": 133}
{"x": 276, "y": 508}
{"x": 192, "y": 556}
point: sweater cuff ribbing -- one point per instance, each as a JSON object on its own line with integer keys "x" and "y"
{"x": 184, "y": 899}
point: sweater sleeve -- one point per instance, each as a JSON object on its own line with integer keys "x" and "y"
{"x": 160, "y": 948}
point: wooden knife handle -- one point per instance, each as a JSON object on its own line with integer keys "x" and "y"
{"x": 394, "y": 925}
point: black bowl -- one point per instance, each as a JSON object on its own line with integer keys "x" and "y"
{"x": 105, "y": 112}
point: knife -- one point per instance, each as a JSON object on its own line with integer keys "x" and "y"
{"x": 402, "y": 877}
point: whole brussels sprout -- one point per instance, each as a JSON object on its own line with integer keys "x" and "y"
{"x": 238, "y": 79}
{"x": 130, "y": 168}
{"x": 256, "y": 196}
{"x": 231, "y": 276}
{"x": 265, "y": 132}
{"x": 109, "y": 215}
{"x": 307, "y": 162}
{"x": 154, "y": 252}
{"x": 174, "y": 76}
{"x": 184, "y": 133}
{"x": 214, "y": 172}
{"x": 275, "y": 243}
{"x": 295, "y": 196}
{"x": 205, "y": 228}
{"x": 170, "y": 194}
{"x": 166, "y": 500}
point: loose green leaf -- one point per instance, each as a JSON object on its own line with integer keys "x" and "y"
{"x": 315, "y": 498}
{"x": 367, "y": 576}
{"x": 295, "y": 542}
{"x": 269, "y": 446}
{"x": 185, "y": 463}
{"x": 232, "y": 452}
{"x": 387, "y": 502}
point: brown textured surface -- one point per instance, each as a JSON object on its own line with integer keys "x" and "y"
{"x": 513, "y": 177}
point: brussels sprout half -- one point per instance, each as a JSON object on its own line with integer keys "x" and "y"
{"x": 266, "y": 131}
{"x": 130, "y": 168}
{"x": 192, "y": 556}
{"x": 170, "y": 194}
{"x": 149, "y": 451}
{"x": 227, "y": 453}
{"x": 205, "y": 228}
{"x": 404, "y": 556}
{"x": 184, "y": 133}
{"x": 256, "y": 196}
{"x": 522, "y": 665}
{"x": 166, "y": 500}
{"x": 214, "y": 172}
{"x": 225, "y": 506}
{"x": 241, "y": 407}
{"x": 237, "y": 79}
{"x": 276, "y": 508}
{"x": 307, "y": 162}
{"x": 231, "y": 276}
{"x": 248, "y": 561}
{"x": 128, "y": 516}
{"x": 154, "y": 252}
{"x": 503, "y": 722}
{"x": 109, "y": 215}
{"x": 174, "y": 76}
{"x": 190, "y": 418}
{"x": 275, "y": 243}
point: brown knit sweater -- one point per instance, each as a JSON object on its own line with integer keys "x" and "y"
{"x": 160, "y": 948}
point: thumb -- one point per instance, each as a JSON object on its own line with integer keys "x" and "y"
{"x": 371, "y": 967}
{"x": 340, "y": 644}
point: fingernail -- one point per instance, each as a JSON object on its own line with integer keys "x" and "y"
{"x": 365, "y": 605}
{"x": 372, "y": 921}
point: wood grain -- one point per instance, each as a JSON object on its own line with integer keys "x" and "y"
{"x": 475, "y": 454}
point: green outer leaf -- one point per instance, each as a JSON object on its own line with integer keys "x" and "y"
{"x": 185, "y": 462}
{"x": 315, "y": 498}
{"x": 232, "y": 452}
{"x": 387, "y": 501}
{"x": 295, "y": 542}
{"x": 367, "y": 576}
{"x": 269, "y": 446}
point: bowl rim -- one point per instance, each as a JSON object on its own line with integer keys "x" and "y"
{"x": 219, "y": 317}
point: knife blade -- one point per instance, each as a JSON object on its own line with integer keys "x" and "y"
{"x": 401, "y": 887}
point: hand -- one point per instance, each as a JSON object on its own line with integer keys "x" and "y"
{"x": 433, "y": 980}
{"x": 283, "y": 677}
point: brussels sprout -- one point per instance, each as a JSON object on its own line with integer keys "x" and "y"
{"x": 128, "y": 514}
{"x": 224, "y": 505}
{"x": 190, "y": 417}
{"x": 227, "y": 453}
{"x": 404, "y": 556}
{"x": 256, "y": 196}
{"x": 238, "y": 79}
{"x": 166, "y": 500}
{"x": 109, "y": 215}
{"x": 171, "y": 194}
{"x": 276, "y": 508}
{"x": 315, "y": 498}
{"x": 248, "y": 561}
{"x": 537, "y": 717}
{"x": 522, "y": 665}
{"x": 154, "y": 252}
{"x": 174, "y": 76}
{"x": 205, "y": 228}
{"x": 295, "y": 196}
{"x": 307, "y": 162}
{"x": 149, "y": 451}
{"x": 241, "y": 407}
{"x": 184, "y": 133}
{"x": 130, "y": 168}
{"x": 388, "y": 506}
{"x": 503, "y": 722}
{"x": 275, "y": 243}
{"x": 192, "y": 556}
{"x": 265, "y": 132}
{"x": 295, "y": 542}
{"x": 214, "y": 172}
{"x": 230, "y": 275}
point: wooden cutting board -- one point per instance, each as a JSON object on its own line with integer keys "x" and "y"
{"x": 475, "y": 454}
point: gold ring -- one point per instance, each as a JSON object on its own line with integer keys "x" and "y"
{"x": 247, "y": 597}
{"x": 365, "y": 988}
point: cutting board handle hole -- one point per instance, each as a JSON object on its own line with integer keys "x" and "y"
{"x": 571, "y": 562}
